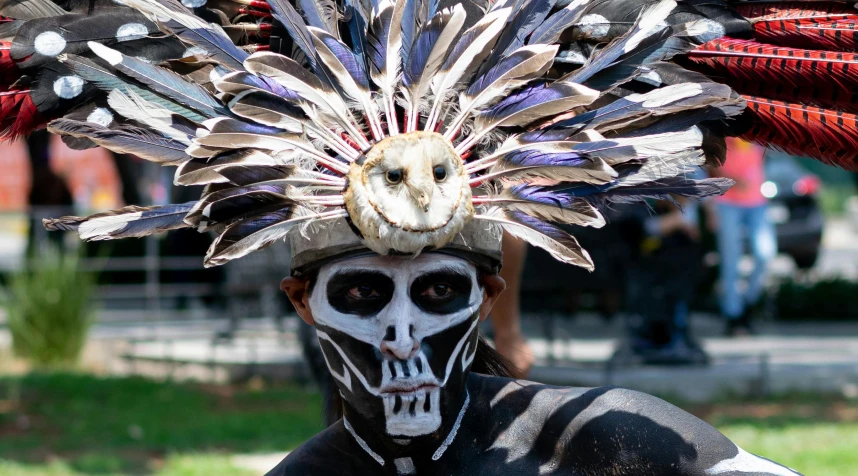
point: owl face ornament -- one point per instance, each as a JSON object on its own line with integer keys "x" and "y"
{"x": 399, "y": 335}
{"x": 410, "y": 192}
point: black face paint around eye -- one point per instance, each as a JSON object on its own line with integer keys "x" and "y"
{"x": 441, "y": 292}
{"x": 399, "y": 335}
{"x": 362, "y": 293}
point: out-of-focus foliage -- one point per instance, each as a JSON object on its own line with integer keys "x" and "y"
{"x": 828, "y": 299}
{"x": 132, "y": 425}
{"x": 49, "y": 307}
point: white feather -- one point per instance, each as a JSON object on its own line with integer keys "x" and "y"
{"x": 387, "y": 78}
{"x": 293, "y": 76}
{"x": 566, "y": 250}
{"x": 356, "y": 92}
{"x": 415, "y": 94}
{"x": 262, "y": 238}
{"x": 650, "y": 22}
{"x": 454, "y": 69}
{"x": 105, "y": 226}
{"x": 536, "y": 59}
{"x": 134, "y": 107}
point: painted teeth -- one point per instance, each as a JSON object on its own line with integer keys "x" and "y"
{"x": 419, "y": 401}
{"x": 427, "y": 405}
{"x": 403, "y": 369}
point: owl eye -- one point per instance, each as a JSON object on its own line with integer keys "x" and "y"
{"x": 394, "y": 176}
{"x": 440, "y": 173}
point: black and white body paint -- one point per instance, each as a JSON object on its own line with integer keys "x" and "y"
{"x": 399, "y": 336}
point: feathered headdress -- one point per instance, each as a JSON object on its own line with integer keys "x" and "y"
{"x": 410, "y": 120}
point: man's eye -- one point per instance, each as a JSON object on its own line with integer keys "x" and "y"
{"x": 363, "y": 292}
{"x": 438, "y": 291}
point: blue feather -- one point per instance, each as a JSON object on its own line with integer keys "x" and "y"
{"x": 492, "y": 75}
{"x": 421, "y": 49}
{"x": 538, "y": 158}
{"x": 215, "y": 44}
{"x": 542, "y": 195}
{"x": 528, "y": 15}
{"x": 141, "y": 221}
{"x": 551, "y": 238}
{"x": 550, "y": 30}
{"x": 528, "y": 97}
{"x": 108, "y": 80}
{"x": 286, "y": 14}
{"x": 661, "y": 189}
{"x": 554, "y": 133}
{"x": 377, "y": 40}
{"x": 163, "y": 81}
{"x": 410, "y": 29}
{"x": 357, "y": 30}
{"x": 320, "y": 14}
{"x": 350, "y": 61}
{"x": 126, "y": 139}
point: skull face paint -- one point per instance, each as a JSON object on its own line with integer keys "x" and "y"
{"x": 399, "y": 335}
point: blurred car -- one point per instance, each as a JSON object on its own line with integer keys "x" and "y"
{"x": 793, "y": 195}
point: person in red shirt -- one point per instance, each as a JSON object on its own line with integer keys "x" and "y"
{"x": 742, "y": 213}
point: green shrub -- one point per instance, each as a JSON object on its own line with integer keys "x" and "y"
{"x": 50, "y": 310}
{"x": 827, "y": 299}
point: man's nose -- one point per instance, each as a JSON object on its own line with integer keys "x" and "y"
{"x": 399, "y": 342}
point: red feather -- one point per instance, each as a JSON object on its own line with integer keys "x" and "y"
{"x": 8, "y": 70}
{"x": 826, "y": 135}
{"x": 741, "y": 63}
{"x": 828, "y": 98}
{"x": 18, "y": 115}
{"x": 834, "y": 36}
{"x": 810, "y": 11}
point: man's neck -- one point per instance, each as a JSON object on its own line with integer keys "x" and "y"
{"x": 405, "y": 452}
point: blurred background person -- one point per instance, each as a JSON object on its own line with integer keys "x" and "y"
{"x": 741, "y": 215}
{"x": 48, "y": 195}
{"x": 662, "y": 275}
{"x": 506, "y": 315}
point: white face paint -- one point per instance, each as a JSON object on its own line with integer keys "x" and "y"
{"x": 399, "y": 335}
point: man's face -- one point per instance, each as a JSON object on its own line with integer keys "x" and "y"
{"x": 399, "y": 335}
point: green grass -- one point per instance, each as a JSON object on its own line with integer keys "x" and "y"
{"x": 206, "y": 464}
{"x": 91, "y": 425}
{"x": 826, "y": 448}
{"x": 78, "y": 425}
{"x": 809, "y": 433}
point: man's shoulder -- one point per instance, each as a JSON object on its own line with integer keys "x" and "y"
{"x": 604, "y": 429}
{"x": 518, "y": 394}
{"x": 592, "y": 400}
{"x": 321, "y": 454}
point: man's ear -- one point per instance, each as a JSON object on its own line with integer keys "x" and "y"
{"x": 493, "y": 285}
{"x": 298, "y": 290}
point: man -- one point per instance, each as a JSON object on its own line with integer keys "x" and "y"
{"x": 400, "y": 337}
{"x": 391, "y": 162}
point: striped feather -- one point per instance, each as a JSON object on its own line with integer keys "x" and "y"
{"x": 527, "y": 63}
{"x": 826, "y": 135}
{"x": 161, "y": 81}
{"x": 561, "y": 245}
{"x": 200, "y": 171}
{"x": 108, "y": 80}
{"x": 469, "y": 53}
{"x": 128, "y": 222}
{"x": 144, "y": 143}
{"x": 384, "y": 46}
{"x": 427, "y": 55}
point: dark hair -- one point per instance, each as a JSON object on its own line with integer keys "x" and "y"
{"x": 487, "y": 361}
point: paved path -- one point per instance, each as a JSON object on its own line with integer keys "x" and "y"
{"x": 814, "y": 357}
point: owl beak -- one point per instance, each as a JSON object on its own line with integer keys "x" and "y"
{"x": 423, "y": 196}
